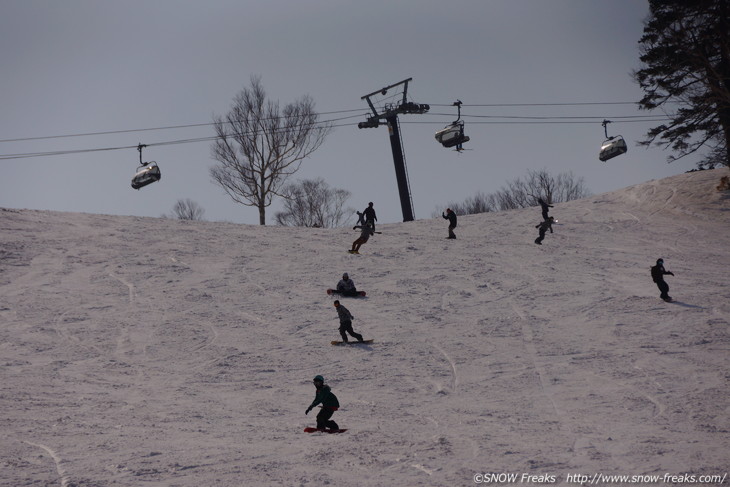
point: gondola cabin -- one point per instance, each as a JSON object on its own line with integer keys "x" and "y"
{"x": 451, "y": 136}
{"x": 612, "y": 147}
{"x": 147, "y": 173}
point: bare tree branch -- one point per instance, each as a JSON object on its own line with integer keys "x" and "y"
{"x": 260, "y": 145}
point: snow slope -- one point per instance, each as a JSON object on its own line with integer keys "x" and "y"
{"x": 150, "y": 352}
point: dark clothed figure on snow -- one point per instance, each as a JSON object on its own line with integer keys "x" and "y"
{"x": 346, "y": 323}
{"x": 545, "y": 207}
{"x": 329, "y": 402}
{"x": 544, "y": 227}
{"x": 451, "y": 216}
{"x": 346, "y": 286}
{"x": 657, "y": 274}
{"x": 370, "y": 217}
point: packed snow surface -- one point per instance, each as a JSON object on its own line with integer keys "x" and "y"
{"x": 154, "y": 352}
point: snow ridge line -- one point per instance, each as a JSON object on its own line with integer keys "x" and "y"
{"x": 65, "y": 480}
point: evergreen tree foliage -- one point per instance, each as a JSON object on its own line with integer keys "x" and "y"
{"x": 686, "y": 52}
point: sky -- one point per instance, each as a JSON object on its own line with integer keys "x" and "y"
{"x": 134, "y": 67}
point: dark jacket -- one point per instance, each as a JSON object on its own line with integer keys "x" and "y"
{"x": 346, "y": 285}
{"x": 545, "y": 226}
{"x": 344, "y": 314}
{"x": 325, "y": 397}
{"x": 544, "y": 205}
{"x": 370, "y": 214}
{"x": 451, "y": 217}
{"x": 658, "y": 273}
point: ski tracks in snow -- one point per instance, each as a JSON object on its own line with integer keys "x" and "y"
{"x": 64, "y": 477}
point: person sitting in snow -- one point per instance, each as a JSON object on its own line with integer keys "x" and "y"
{"x": 329, "y": 402}
{"x": 346, "y": 322}
{"x": 346, "y": 286}
{"x": 544, "y": 227}
{"x": 657, "y": 274}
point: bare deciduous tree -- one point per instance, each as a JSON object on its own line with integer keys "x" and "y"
{"x": 260, "y": 145}
{"x": 312, "y": 203}
{"x": 479, "y": 203}
{"x": 523, "y": 193}
{"x": 187, "y": 209}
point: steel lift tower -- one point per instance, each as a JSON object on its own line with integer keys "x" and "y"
{"x": 389, "y": 116}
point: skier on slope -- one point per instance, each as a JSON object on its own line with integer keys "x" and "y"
{"x": 657, "y": 274}
{"x": 329, "y": 402}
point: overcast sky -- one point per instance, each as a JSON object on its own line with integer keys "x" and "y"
{"x": 78, "y": 67}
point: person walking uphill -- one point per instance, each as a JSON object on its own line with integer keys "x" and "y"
{"x": 346, "y": 323}
{"x": 657, "y": 274}
{"x": 451, "y": 216}
{"x": 329, "y": 402}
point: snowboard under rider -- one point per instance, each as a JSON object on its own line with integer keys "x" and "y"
{"x": 545, "y": 207}
{"x": 451, "y": 216}
{"x": 365, "y": 234}
{"x": 346, "y": 322}
{"x": 544, "y": 227}
{"x": 329, "y": 402}
{"x": 346, "y": 286}
{"x": 657, "y": 274}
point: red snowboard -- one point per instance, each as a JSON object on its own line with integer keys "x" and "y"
{"x": 314, "y": 430}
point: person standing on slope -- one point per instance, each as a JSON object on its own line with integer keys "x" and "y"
{"x": 346, "y": 322}
{"x": 329, "y": 402}
{"x": 451, "y": 216}
{"x": 370, "y": 217}
{"x": 657, "y": 274}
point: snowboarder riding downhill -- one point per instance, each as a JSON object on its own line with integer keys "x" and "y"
{"x": 329, "y": 402}
{"x": 657, "y": 274}
{"x": 346, "y": 322}
{"x": 544, "y": 227}
{"x": 365, "y": 234}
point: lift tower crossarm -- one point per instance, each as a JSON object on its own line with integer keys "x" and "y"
{"x": 390, "y": 115}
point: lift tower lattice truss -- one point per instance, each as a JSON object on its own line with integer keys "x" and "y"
{"x": 390, "y": 116}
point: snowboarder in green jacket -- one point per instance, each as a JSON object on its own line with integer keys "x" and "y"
{"x": 329, "y": 402}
